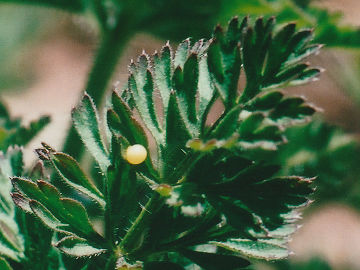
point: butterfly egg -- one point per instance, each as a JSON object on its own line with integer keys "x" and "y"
{"x": 136, "y": 154}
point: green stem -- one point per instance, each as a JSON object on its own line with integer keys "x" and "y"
{"x": 107, "y": 57}
{"x": 111, "y": 263}
{"x": 135, "y": 235}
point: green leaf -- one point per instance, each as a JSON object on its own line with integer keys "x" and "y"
{"x": 77, "y": 216}
{"x": 21, "y": 202}
{"x": 122, "y": 198}
{"x": 24, "y": 135}
{"x": 4, "y": 265}
{"x": 256, "y": 44}
{"x": 162, "y": 73}
{"x": 78, "y": 247}
{"x": 66, "y": 210}
{"x": 225, "y": 62}
{"x": 162, "y": 266}
{"x": 237, "y": 215}
{"x": 121, "y": 120}
{"x": 255, "y": 249}
{"x": 9, "y": 253}
{"x": 292, "y": 107}
{"x": 215, "y": 261}
{"x": 206, "y": 91}
{"x": 185, "y": 81}
{"x": 9, "y": 237}
{"x": 258, "y": 195}
{"x": 272, "y": 60}
{"x": 39, "y": 251}
{"x": 182, "y": 53}
{"x": 74, "y": 176}
{"x": 284, "y": 111}
{"x": 11, "y": 164}
{"x": 265, "y": 101}
{"x": 326, "y": 151}
{"x": 227, "y": 124}
{"x": 86, "y": 122}
{"x": 10, "y": 242}
{"x": 176, "y": 136}
{"x": 141, "y": 86}
{"x": 46, "y": 217}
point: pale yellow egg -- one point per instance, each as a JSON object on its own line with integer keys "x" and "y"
{"x": 136, "y": 154}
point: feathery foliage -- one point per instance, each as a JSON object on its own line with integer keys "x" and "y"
{"x": 209, "y": 194}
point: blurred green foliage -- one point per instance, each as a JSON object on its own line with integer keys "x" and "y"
{"x": 313, "y": 264}
{"x": 328, "y": 27}
{"x": 17, "y": 27}
{"x": 169, "y": 19}
{"x": 321, "y": 150}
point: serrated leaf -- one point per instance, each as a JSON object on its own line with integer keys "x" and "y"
{"x": 258, "y": 197}
{"x": 78, "y": 247}
{"x": 292, "y": 107}
{"x": 76, "y": 216}
{"x": 272, "y": 60}
{"x": 215, "y": 261}
{"x": 86, "y": 122}
{"x": 162, "y": 73}
{"x": 185, "y": 83}
{"x": 256, "y": 42}
{"x": 74, "y": 176}
{"x": 46, "y": 217}
{"x": 176, "y": 135}
{"x": 306, "y": 76}
{"x": 255, "y": 249}
{"x": 21, "y": 202}
{"x": 206, "y": 90}
{"x": 141, "y": 86}
{"x": 27, "y": 187}
{"x": 225, "y": 61}
{"x": 283, "y": 111}
{"x": 126, "y": 130}
{"x": 277, "y": 51}
{"x": 182, "y": 53}
{"x": 66, "y": 210}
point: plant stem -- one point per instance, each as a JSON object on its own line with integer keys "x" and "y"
{"x": 135, "y": 235}
{"x": 108, "y": 54}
